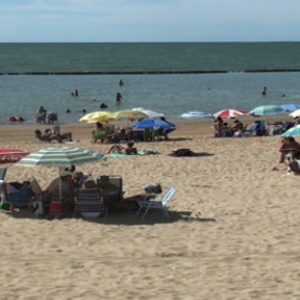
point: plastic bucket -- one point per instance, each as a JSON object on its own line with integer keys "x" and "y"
{"x": 56, "y": 209}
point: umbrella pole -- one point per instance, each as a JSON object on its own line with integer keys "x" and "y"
{"x": 60, "y": 186}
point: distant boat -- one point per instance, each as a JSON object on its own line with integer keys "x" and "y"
{"x": 195, "y": 115}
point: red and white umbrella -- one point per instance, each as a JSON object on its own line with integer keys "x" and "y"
{"x": 229, "y": 113}
{"x": 8, "y": 156}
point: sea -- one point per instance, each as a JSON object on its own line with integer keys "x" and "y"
{"x": 171, "y": 78}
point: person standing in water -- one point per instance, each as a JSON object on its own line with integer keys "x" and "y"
{"x": 121, "y": 83}
{"x": 119, "y": 98}
{"x": 264, "y": 92}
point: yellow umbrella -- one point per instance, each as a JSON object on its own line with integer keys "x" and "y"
{"x": 128, "y": 114}
{"x": 96, "y": 116}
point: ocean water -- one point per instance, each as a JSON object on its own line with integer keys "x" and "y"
{"x": 239, "y": 84}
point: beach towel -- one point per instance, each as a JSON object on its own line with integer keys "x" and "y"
{"x": 140, "y": 153}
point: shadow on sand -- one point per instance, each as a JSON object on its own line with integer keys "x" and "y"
{"x": 124, "y": 218}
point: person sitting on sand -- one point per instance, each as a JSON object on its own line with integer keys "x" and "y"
{"x": 289, "y": 145}
{"x": 130, "y": 150}
{"x": 238, "y": 128}
{"x": 219, "y": 127}
{"x": 99, "y": 133}
{"x": 227, "y": 130}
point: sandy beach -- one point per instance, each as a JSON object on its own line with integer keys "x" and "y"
{"x": 233, "y": 231}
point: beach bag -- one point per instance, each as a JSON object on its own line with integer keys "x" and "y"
{"x": 182, "y": 152}
{"x": 153, "y": 188}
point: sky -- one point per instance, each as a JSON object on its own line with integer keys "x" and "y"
{"x": 149, "y": 20}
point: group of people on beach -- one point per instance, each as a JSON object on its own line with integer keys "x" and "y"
{"x": 222, "y": 129}
{"x": 107, "y": 133}
{"x": 43, "y": 117}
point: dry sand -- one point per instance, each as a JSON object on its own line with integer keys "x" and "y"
{"x": 233, "y": 232}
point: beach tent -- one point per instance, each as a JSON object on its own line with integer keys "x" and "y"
{"x": 267, "y": 110}
{"x": 155, "y": 124}
{"x": 150, "y": 113}
{"x": 228, "y": 113}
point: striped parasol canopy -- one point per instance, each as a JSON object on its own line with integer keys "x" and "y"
{"x": 229, "y": 113}
{"x": 294, "y": 131}
{"x": 59, "y": 157}
{"x": 149, "y": 113}
{"x": 267, "y": 110}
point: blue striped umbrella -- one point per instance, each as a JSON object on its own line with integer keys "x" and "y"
{"x": 290, "y": 107}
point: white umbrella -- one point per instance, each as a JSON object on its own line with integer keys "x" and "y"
{"x": 295, "y": 114}
{"x": 59, "y": 157}
{"x": 150, "y": 113}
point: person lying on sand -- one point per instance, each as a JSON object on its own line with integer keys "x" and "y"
{"x": 130, "y": 150}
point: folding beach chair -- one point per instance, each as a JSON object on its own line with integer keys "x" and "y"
{"x": 3, "y": 172}
{"x": 112, "y": 187}
{"x": 159, "y": 203}
{"x": 89, "y": 202}
{"x": 20, "y": 199}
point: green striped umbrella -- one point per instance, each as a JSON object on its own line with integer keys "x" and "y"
{"x": 294, "y": 131}
{"x": 59, "y": 157}
{"x": 267, "y": 110}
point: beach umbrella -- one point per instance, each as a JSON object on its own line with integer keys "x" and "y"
{"x": 294, "y": 131}
{"x": 7, "y": 157}
{"x": 154, "y": 124}
{"x": 150, "y": 113}
{"x": 59, "y": 157}
{"x": 290, "y": 107}
{"x": 96, "y": 116}
{"x": 267, "y": 110}
{"x": 228, "y": 113}
{"x": 128, "y": 115}
{"x": 195, "y": 115}
{"x": 295, "y": 114}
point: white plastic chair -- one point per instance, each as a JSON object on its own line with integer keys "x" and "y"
{"x": 159, "y": 203}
